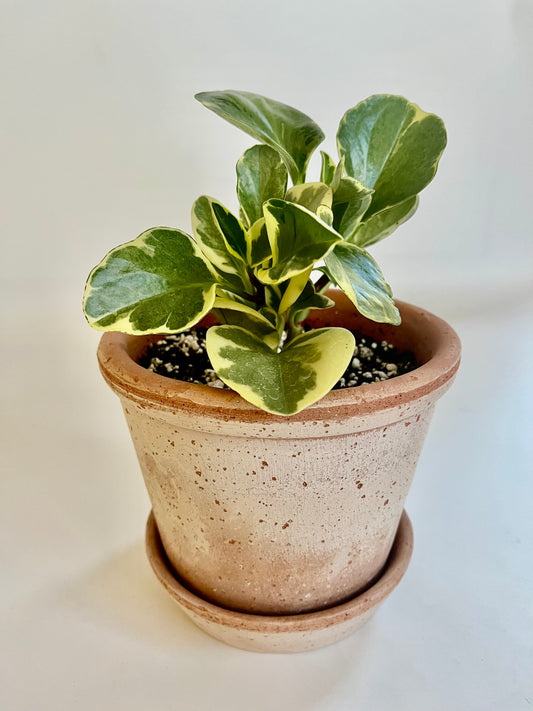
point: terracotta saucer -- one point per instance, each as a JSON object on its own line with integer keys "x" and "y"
{"x": 283, "y": 633}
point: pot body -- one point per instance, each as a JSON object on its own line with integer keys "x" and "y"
{"x": 275, "y": 515}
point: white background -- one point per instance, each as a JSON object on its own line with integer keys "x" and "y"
{"x": 100, "y": 139}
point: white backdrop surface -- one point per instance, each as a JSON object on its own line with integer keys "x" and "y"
{"x": 100, "y": 138}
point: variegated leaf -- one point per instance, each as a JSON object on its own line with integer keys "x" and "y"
{"x": 263, "y": 322}
{"x": 350, "y": 202}
{"x": 330, "y": 173}
{"x": 285, "y": 129}
{"x": 310, "y": 195}
{"x": 392, "y": 146}
{"x": 284, "y": 382}
{"x": 327, "y": 168}
{"x": 354, "y": 271}
{"x": 258, "y": 245}
{"x": 309, "y": 299}
{"x": 222, "y": 239}
{"x": 325, "y": 214}
{"x": 157, "y": 283}
{"x": 294, "y": 288}
{"x": 261, "y": 175}
{"x": 298, "y": 239}
{"x": 382, "y": 224}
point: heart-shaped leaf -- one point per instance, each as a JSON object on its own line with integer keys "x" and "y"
{"x": 157, "y": 283}
{"x": 392, "y": 146}
{"x": 384, "y": 223}
{"x": 261, "y": 175}
{"x": 354, "y": 271}
{"x": 288, "y": 130}
{"x": 281, "y": 383}
{"x": 298, "y": 239}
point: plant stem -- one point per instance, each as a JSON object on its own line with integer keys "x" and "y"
{"x": 322, "y": 284}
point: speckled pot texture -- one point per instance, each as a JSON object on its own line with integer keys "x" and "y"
{"x": 283, "y": 515}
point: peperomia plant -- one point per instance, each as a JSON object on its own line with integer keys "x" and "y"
{"x": 256, "y": 272}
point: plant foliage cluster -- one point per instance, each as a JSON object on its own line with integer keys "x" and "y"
{"x": 261, "y": 272}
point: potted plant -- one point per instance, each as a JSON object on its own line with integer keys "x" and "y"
{"x": 277, "y": 501}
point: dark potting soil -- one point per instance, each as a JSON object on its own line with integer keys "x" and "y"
{"x": 184, "y": 357}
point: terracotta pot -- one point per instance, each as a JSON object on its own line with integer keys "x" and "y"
{"x": 273, "y": 515}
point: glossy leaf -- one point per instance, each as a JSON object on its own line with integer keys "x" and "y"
{"x": 258, "y": 244}
{"x": 327, "y": 168}
{"x": 382, "y": 224}
{"x": 263, "y": 322}
{"x": 392, "y": 146}
{"x": 350, "y": 202}
{"x": 298, "y": 239}
{"x": 288, "y": 130}
{"x": 157, "y": 283}
{"x": 222, "y": 239}
{"x": 261, "y": 175}
{"x": 281, "y": 383}
{"x": 354, "y": 271}
{"x": 308, "y": 300}
{"x": 325, "y": 214}
{"x": 310, "y": 195}
{"x": 294, "y": 289}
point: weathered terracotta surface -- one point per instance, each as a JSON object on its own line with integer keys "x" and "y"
{"x": 278, "y": 515}
{"x": 284, "y": 633}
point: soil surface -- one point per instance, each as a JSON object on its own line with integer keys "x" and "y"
{"x": 184, "y": 357}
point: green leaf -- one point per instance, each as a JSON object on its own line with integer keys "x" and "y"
{"x": 222, "y": 239}
{"x": 281, "y": 383}
{"x": 297, "y": 239}
{"x": 281, "y": 127}
{"x": 329, "y": 173}
{"x": 309, "y": 299}
{"x": 157, "y": 283}
{"x": 237, "y": 311}
{"x": 261, "y": 175}
{"x": 295, "y": 286}
{"x": 350, "y": 202}
{"x": 382, "y": 224}
{"x": 258, "y": 244}
{"x": 392, "y": 146}
{"x": 310, "y": 195}
{"x": 325, "y": 214}
{"x": 327, "y": 168}
{"x": 354, "y": 271}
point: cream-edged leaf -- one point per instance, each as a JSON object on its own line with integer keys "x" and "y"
{"x": 384, "y": 223}
{"x": 325, "y": 214}
{"x": 327, "y": 168}
{"x": 298, "y": 239}
{"x": 157, "y": 283}
{"x": 264, "y": 322}
{"x": 308, "y": 300}
{"x": 284, "y": 382}
{"x": 294, "y": 289}
{"x": 354, "y": 271}
{"x": 222, "y": 239}
{"x": 392, "y": 146}
{"x": 350, "y": 202}
{"x": 258, "y": 246}
{"x": 310, "y": 195}
{"x": 281, "y": 127}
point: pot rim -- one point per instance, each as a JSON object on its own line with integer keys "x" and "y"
{"x": 434, "y": 342}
